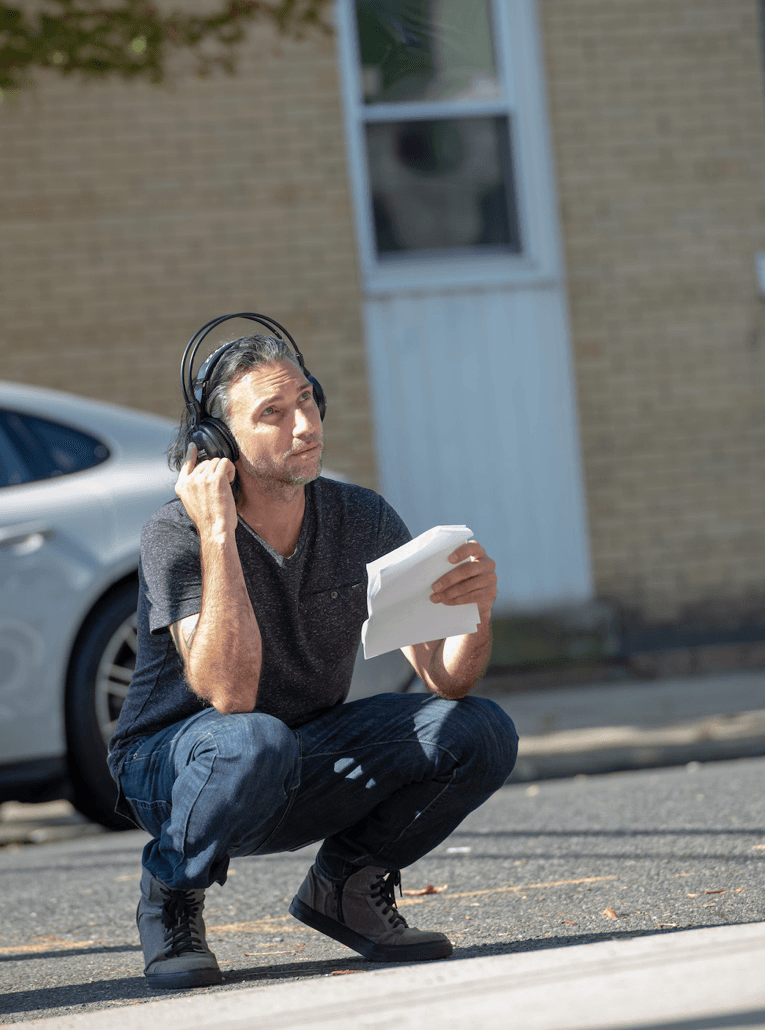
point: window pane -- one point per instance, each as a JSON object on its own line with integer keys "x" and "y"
{"x": 48, "y": 448}
{"x": 67, "y": 450}
{"x": 13, "y": 471}
{"x": 442, "y": 185}
{"x": 426, "y": 50}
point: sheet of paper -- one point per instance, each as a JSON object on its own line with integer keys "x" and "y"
{"x": 398, "y": 594}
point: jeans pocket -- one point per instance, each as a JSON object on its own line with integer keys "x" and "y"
{"x": 146, "y": 782}
{"x": 150, "y": 815}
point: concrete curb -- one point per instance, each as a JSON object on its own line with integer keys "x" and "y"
{"x": 606, "y": 749}
{"x": 634, "y": 724}
{"x": 707, "y": 977}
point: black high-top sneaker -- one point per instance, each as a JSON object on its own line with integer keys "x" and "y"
{"x": 361, "y": 913}
{"x": 172, "y": 933}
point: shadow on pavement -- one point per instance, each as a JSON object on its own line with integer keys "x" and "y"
{"x": 730, "y": 1020}
{"x": 105, "y": 949}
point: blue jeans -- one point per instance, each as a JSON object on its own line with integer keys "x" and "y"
{"x": 380, "y": 781}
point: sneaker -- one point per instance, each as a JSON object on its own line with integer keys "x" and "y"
{"x": 361, "y": 913}
{"x": 172, "y": 933}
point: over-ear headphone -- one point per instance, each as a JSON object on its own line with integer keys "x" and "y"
{"x": 212, "y": 437}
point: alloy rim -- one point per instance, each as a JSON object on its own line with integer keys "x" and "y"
{"x": 115, "y": 671}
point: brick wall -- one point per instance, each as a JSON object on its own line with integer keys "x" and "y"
{"x": 133, "y": 214}
{"x": 657, "y": 123}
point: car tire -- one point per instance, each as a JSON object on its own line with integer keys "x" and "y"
{"x": 99, "y": 675}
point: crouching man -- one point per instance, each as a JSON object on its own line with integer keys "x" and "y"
{"x": 235, "y": 739}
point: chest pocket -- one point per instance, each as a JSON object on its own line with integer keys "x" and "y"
{"x": 333, "y": 619}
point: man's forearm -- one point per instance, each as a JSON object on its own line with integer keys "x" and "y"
{"x": 464, "y": 660}
{"x": 224, "y": 658}
{"x": 451, "y": 667}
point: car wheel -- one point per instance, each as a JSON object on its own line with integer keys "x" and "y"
{"x": 100, "y": 673}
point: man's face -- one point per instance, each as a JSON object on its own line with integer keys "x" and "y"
{"x": 275, "y": 420}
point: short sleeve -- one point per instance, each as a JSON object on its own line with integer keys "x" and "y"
{"x": 392, "y": 532}
{"x": 171, "y": 572}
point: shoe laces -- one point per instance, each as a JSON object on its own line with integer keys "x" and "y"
{"x": 384, "y": 893}
{"x": 178, "y": 910}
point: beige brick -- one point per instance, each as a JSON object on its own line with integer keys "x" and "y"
{"x": 132, "y": 214}
{"x": 657, "y": 125}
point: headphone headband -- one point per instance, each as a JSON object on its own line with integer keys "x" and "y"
{"x": 187, "y": 361}
{"x": 211, "y": 435}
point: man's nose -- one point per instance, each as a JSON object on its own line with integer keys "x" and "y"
{"x": 304, "y": 424}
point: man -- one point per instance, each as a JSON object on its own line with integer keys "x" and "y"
{"x": 234, "y": 738}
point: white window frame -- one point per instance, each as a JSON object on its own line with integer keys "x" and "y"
{"x": 523, "y": 102}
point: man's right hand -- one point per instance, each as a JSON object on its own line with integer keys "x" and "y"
{"x": 221, "y": 646}
{"x": 204, "y": 487}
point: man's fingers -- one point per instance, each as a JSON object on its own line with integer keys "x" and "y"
{"x": 199, "y": 479}
{"x": 466, "y": 590}
{"x": 190, "y": 461}
{"x": 470, "y": 549}
{"x": 471, "y": 578}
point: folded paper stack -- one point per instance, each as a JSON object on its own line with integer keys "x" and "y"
{"x": 398, "y": 594}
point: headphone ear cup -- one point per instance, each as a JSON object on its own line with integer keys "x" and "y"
{"x": 318, "y": 396}
{"x": 213, "y": 439}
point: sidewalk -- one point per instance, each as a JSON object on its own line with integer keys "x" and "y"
{"x": 693, "y": 980}
{"x": 632, "y": 724}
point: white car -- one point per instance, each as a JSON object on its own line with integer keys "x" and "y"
{"x": 78, "y": 479}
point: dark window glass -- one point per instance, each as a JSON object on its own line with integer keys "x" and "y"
{"x": 442, "y": 185}
{"x": 13, "y": 470}
{"x": 33, "y": 448}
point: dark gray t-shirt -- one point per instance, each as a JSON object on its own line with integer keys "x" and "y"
{"x": 310, "y": 608}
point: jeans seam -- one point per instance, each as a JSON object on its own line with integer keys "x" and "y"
{"x": 392, "y": 843}
{"x": 292, "y": 795}
{"x": 183, "y": 853}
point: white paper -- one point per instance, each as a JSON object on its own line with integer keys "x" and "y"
{"x": 398, "y": 594}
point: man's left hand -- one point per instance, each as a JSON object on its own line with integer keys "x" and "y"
{"x": 473, "y": 581}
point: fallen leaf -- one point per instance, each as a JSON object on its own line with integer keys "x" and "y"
{"x": 569, "y": 922}
{"x": 609, "y": 913}
{"x": 716, "y": 892}
{"x": 428, "y": 889}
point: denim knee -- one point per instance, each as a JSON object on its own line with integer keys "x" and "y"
{"x": 254, "y": 748}
{"x": 490, "y": 735}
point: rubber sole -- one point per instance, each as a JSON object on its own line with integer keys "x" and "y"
{"x": 424, "y": 952}
{"x": 184, "y": 979}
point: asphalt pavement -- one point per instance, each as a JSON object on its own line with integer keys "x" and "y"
{"x": 707, "y": 977}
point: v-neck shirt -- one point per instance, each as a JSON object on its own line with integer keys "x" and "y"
{"x": 310, "y": 607}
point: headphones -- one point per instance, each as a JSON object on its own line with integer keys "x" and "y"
{"x": 212, "y": 436}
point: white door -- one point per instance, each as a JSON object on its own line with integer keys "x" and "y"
{"x": 465, "y": 309}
